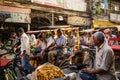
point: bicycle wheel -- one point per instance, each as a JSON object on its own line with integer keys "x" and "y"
{"x": 64, "y": 63}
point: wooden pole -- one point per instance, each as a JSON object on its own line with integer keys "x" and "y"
{"x": 52, "y": 19}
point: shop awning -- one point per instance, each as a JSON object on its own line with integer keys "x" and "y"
{"x": 100, "y": 23}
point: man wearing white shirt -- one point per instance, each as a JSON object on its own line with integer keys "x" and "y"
{"x": 60, "y": 43}
{"x": 112, "y": 36}
{"x": 25, "y": 50}
{"x": 104, "y": 67}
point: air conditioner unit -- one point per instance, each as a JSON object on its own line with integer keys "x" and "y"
{"x": 116, "y": 8}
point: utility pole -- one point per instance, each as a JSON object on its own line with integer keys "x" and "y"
{"x": 90, "y": 10}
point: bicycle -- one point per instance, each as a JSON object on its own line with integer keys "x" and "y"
{"x": 7, "y": 70}
{"x": 83, "y": 58}
{"x": 89, "y": 57}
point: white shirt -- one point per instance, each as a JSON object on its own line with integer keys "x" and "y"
{"x": 43, "y": 45}
{"x": 25, "y": 44}
{"x": 105, "y": 60}
{"x": 50, "y": 40}
{"x": 113, "y": 42}
{"x": 33, "y": 40}
{"x": 61, "y": 40}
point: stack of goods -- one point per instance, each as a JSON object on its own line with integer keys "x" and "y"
{"x": 48, "y": 72}
{"x": 33, "y": 60}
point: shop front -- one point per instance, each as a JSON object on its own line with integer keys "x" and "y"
{"x": 11, "y": 18}
{"x": 102, "y": 24}
{"x": 82, "y": 22}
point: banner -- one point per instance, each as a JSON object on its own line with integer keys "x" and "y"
{"x": 74, "y": 20}
{"x": 19, "y": 18}
{"x": 54, "y": 3}
{"x": 115, "y": 17}
{"x": 79, "y": 5}
{"x": 14, "y": 14}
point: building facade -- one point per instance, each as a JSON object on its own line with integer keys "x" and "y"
{"x": 32, "y": 14}
{"x": 105, "y": 13}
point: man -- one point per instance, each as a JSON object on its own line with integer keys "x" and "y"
{"x": 111, "y": 35}
{"x": 104, "y": 64}
{"x": 15, "y": 42}
{"x": 41, "y": 45}
{"x": 25, "y": 50}
{"x": 33, "y": 40}
{"x": 12, "y": 40}
{"x": 60, "y": 43}
{"x": 70, "y": 44}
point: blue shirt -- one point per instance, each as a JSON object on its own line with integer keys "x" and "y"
{"x": 61, "y": 40}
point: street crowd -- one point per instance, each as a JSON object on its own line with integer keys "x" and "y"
{"x": 50, "y": 46}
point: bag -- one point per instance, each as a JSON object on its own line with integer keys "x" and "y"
{"x": 85, "y": 76}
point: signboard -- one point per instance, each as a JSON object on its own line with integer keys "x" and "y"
{"x": 55, "y": 3}
{"x": 115, "y": 17}
{"x": 74, "y": 20}
{"x": 14, "y": 9}
{"x": 19, "y": 18}
{"x": 13, "y": 14}
{"x": 79, "y": 5}
{"x": 4, "y": 15}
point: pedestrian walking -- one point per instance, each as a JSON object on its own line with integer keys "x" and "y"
{"x": 25, "y": 50}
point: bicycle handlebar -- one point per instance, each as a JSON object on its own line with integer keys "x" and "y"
{"x": 10, "y": 51}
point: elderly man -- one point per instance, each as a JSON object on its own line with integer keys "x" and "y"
{"x": 104, "y": 63}
{"x": 25, "y": 50}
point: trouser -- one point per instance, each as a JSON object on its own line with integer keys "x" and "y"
{"x": 69, "y": 52}
{"x": 26, "y": 64}
{"x": 51, "y": 56}
{"x": 85, "y": 76}
{"x": 37, "y": 51}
